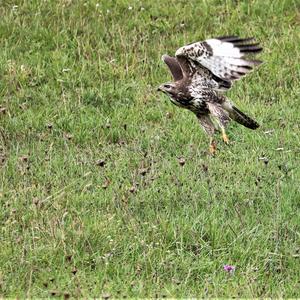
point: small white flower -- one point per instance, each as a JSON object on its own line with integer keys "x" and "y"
{"x": 97, "y": 5}
{"x": 130, "y": 7}
{"x": 108, "y": 11}
{"x": 142, "y": 8}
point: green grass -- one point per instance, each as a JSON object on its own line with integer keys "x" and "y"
{"x": 78, "y": 85}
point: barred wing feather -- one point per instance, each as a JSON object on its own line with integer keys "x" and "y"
{"x": 224, "y": 56}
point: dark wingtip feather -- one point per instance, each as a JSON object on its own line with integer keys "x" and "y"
{"x": 250, "y": 49}
{"x": 234, "y": 39}
{"x": 255, "y": 62}
{"x": 249, "y": 68}
{"x": 231, "y": 76}
{"x": 227, "y": 38}
{"x": 242, "y": 41}
{"x": 239, "y": 73}
{"x": 245, "y": 45}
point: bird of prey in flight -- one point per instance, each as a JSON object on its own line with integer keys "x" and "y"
{"x": 202, "y": 71}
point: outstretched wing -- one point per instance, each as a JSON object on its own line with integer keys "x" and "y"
{"x": 223, "y": 56}
{"x": 174, "y": 66}
{"x": 181, "y": 65}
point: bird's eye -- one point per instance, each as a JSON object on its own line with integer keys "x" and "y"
{"x": 167, "y": 86}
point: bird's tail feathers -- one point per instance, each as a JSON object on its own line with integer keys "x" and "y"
{"x": 242, "y": 118}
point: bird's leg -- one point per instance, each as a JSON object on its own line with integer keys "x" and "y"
{"x": 224, "y": 136}
{"x": 212, "y": 146}
{"x": 209, "y": 128}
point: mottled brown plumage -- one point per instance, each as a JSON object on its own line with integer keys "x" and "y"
{"x": 202, "y": 71}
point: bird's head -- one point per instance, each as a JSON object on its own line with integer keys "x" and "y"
{"x": 168, "y": 88}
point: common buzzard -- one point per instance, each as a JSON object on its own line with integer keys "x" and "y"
{"x": 202, "y": 71}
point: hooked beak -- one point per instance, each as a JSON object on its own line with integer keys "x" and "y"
{"x": 159, "y": 89}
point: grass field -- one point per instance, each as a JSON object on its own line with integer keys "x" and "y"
{"x": 95, "y": 197}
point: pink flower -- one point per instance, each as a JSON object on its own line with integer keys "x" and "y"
{"x": 229, "y": 268}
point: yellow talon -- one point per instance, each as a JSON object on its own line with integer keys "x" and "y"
{"x": 225, "y": 137}
{"x": 212, "y": 147}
